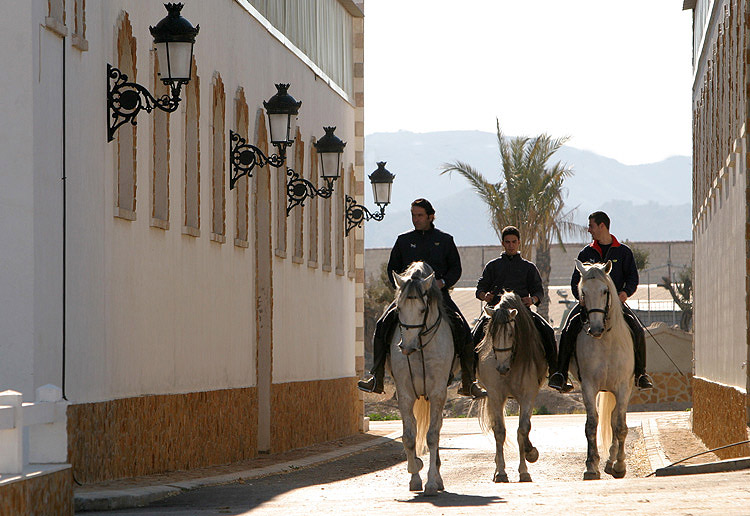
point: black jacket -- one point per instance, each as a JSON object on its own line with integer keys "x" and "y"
{"x": 624, "y": 273}
{"x": 431, "y": 246}
{"x": 511, "y": 273}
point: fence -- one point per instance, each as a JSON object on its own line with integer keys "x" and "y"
{"x": 32, "y": 433}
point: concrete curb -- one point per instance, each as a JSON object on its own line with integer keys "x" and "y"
{"x": 710, "y": 467}
{"x": 656, "y": 456}
{"x": 139, "y": 496}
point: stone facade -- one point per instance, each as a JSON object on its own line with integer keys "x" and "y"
{"x": 719, "y": 417}
{"x": 39, "y": 495}
{"x": 153, "y": 434}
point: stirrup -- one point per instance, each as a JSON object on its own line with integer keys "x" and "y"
{"x": 644, "y": 382}
{"x": 561, "y": 385}
{"x": 370, "y": 385}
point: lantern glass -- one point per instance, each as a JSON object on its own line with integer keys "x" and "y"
{"x": 279, "y": 125}
{"x": 382, "y": 193}
{"x": 329, "y": 164}
{"x": 175, "y": 60}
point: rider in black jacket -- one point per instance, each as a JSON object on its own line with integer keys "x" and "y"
{"x": 510, "y": 272}
{"x": 437, "y": 249}
{"x": 624, "y": 275}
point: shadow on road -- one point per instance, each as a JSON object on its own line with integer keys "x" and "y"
{"x": 447, "y": 499}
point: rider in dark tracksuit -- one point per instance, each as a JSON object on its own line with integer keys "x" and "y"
{"x": 624, "y": 275}
{"x": 437, "y": 249}
{"x": 510, "y": 272}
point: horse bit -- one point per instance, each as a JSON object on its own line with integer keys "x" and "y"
{"x": 426, "y": 331}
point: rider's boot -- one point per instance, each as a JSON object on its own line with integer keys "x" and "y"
{"x": 469, "y": 386}
{"x": 383, "y": 328}
{"x": 558, "y": 380}
{"x": 642, "y": 380}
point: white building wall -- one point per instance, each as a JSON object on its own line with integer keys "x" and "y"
{"x": 17, "y": 198}
{"x": 719, "y": 317}
{"x": 150, "y": 311}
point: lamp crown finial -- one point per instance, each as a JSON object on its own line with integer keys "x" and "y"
{"x": 174, "y": 8}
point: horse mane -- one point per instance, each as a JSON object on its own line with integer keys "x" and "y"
{"x": 414, "y": 274}
{"x": 596, "y": 271}
{"x": 526, "y": 331}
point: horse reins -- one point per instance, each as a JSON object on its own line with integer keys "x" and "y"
{"x": 426, "y": 331}
{"x": 585, "y": 311}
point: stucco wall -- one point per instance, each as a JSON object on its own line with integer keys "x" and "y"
{"x": 155, "y": 311}
{"x": 720, "y": 319}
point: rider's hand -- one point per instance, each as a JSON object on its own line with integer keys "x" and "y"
{"x": 527, "y": 301}
{"x": 488, "y": 297}
{"x": 623, "y": 296}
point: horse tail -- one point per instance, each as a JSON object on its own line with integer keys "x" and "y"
{"x": 422, "y": 414}
{"x": 605, "y": 404}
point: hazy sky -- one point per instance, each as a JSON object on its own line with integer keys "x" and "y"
{"x": 615, "y": 76}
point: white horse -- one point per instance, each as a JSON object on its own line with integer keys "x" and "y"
{"x": 421, "y": 358}
{"x": 511, "y": 363}
{"x": 604, "y": 357}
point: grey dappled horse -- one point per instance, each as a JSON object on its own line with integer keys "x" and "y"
{"x": 421, "y": 357}
{"x": 604, "y": 354}
{"x": 511, "y": 363}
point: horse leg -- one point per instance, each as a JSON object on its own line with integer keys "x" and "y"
{"x": 497, "y": 411}
{"x": 434, "y": 480}
{"x": 616, "y": 465}
{"x": 592, "y": 420}
{"x": 413, "y": 463}
{"x": 524, "y": 444}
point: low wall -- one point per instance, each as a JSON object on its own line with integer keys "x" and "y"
{"x": 720, "y": 417}
{"x": 311, "y": 412}
{"x": 34, "y": 493}
{"x": 153, "y": 434}
{"x": 668, "y": 388}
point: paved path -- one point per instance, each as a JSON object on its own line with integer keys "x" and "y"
{"x": 375, "y": 480}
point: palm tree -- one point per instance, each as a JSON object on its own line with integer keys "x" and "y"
{"x": 529, "y": 195}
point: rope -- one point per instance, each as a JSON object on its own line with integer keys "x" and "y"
{"x": 657, "y": 342}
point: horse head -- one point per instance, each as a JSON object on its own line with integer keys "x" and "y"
{"x": 418, "y": 311}
{"x": 596, "y": 292}
{"x": 501, "y": 331}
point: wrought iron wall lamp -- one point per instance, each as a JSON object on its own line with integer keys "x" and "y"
{"x": 174, "y": 38}
{"x": 356, "y": 214}
{"x": 282, "y": 110}
{"x": 329, "y": 148}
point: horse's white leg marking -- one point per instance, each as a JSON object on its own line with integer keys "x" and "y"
{"x": 434, "y": 480}
{"x": 524, "y": 444}
{"x": 620, "y": 430}
{"x": 592, "y": 420}
{"x": 497, "y": 413}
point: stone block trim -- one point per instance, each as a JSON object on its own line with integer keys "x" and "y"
{"x": 668, "y": 388}
{"x": 153, "y": 434}
{"x": 719, "y": 417}
{"x": 304, "y": 413}
{"x": 48, "y": 493}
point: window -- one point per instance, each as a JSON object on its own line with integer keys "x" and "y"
{"x": 160, "y": 173}
{"x": 241, "y": 115}
{"x": 125, "y": 183}
{"x": 299, "y": 212}
{"x": 79, "y": 27}
{"x": 192, "y": 221}
{"x": 281, "y": 200}
{"x": 338, "y": 213}
{"x": 218, "y": 153}
{"x": 312, "y": 260}
{"x": 56, "y": 19}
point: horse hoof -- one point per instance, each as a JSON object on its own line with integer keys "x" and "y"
{"x": 588, "y": 475}
{"x": 500, "y": 477}
{"x": 532, "y": 455}
{"x": 614, "y": 470}
{"x": 430, "y": 491}
{"x": 525, "y": 477}
{"x": 415, "y": 484}
{"x": 440, "y": 486}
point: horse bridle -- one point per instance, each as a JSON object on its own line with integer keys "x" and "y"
{"x": 585, "y": 311}
{"x": 425, "y": 331}
{"x": 511, "y": 348}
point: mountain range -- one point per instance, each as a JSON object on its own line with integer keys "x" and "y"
{"x": 648, "y": 202}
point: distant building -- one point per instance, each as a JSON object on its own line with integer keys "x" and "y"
{"x": 188, "y": 324}
{"x": 721, "y": 404}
